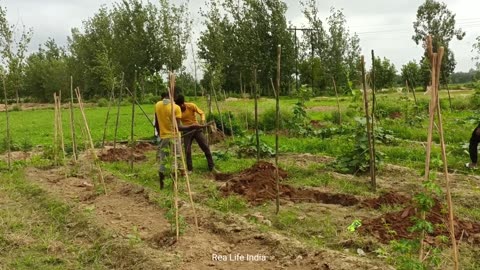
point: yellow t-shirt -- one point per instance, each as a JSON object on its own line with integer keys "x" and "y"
{"x": 164, "y": 117}
{"x": 189, "y": 117}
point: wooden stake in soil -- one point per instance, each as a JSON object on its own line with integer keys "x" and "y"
{"x": 218, "y": 108}
{"x": 374, "y": 104}
{"x": 119, "y": 103}
{"x": 72, "y": 123}
{"x": 229, "y": 116}
{"x": 110, "y": 101}
{"x": 89, "y": 134}
{"x": 369, "y": 131}
{"x": 436, "y": 61}
{"x": 255, "y": 97}
{"x": 55, "y": 135}
{"x": 277, "y": 127}
{"x": 9, "y": 154}
{"x": 60, "y": 127}
{"x": 132, "y": 141}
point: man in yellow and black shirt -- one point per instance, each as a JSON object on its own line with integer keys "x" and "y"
{"x": 167, "y": 133}
{"x": 189, "y": 117}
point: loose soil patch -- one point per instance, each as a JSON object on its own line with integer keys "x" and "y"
{"x": 387, "y": 199}
{"x": 396, "y": 225}
{"x": 216, "y": 137}
{"x": 123, "y": 154}
{"x": 258, "y": 185}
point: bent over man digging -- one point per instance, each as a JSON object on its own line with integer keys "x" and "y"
{"x": 168, "y": 137}
{"x": 189, "y": 112}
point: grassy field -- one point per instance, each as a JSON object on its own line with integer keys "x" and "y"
{"x": 317, "y": 226}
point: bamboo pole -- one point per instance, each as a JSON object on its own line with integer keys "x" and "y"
{"x": 55, "y": 132}
{"x": 369, "y": 131}
{"x": 256, "y": 111}
{"x": 445, "y": 165}
{"x": 72, "y": 123}
{"x": 374, "y": 105}
{"x": 9, "y": 151}
{"x": 277, "y": 127}
{"x": 174, "y": 151}
{"x": 118, "y": 111}
{"x": 132, "y": 140}
{"x": 60, "y": 126}
{"x": 112, "y": 99}
{"x": 229, "y": 116}
{"x": 218, "y": 108}
{"x": 338, "y": 102}
{"x": 89, "y": 134}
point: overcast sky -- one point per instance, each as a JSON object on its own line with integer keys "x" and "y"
{"x": 384, "y": 26}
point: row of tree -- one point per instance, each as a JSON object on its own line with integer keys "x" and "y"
{"x": 133, "y": 42}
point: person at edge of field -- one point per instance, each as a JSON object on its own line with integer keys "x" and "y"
{"x": 189, "y": 112}
{"x": 472, "y": 148}
{"x": 163, "y": 117}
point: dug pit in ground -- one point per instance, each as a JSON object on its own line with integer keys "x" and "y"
{"x": 258, "y": 185}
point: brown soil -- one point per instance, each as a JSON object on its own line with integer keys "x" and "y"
{"x": 396, "y": 225}
{"x": 317, "y": 124}
{"x": 258, "y": 185}
{"x": 395, "y": 115}
{"x": 123, "y": 154}
{"x": 132, "y": 211}
{"x": 216, "y": 137}
{"x": 387, "y": 199}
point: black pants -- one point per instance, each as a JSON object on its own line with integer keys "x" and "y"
{"x": 472, "y": 148}
{"x": 202, "y": 142}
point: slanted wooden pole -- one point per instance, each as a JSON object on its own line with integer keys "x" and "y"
{"x": 89, "y": 134}
{"x": 60, "y": 126}
{"x": 229, "y": 116}
{"x": 369, "y": 131}
{"x": 119, "y": 103}
{"x": 72, "y": 123}
{"x": 338, "y": 102}
{"x": 9, "y": 154}
{"x": 373, "y": 171}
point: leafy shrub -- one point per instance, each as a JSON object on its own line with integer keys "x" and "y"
{"x": 247, "y": 147}
{"x": 102, "y": 102}
{"x": 266, "y": 120}
{"x": 246, "y": 119}
{"x": 16, "y": 108}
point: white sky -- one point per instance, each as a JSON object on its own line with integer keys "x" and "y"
{"x": 384, "y": 26}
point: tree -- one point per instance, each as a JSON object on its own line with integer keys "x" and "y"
{"x": 385, "y": 73}
{"x": 410, "y": 73}
{"x": 13, "y": 52}
{"x": 434, "y": 18}
{"x": 337, "y": 49}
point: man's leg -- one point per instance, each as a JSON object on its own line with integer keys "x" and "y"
{"x": 187, "y": 141}
{"x": 473, "y": 151}
{"x": 202, "y": 142}
{"x": 162, "y": 154}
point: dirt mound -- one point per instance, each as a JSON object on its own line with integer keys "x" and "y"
{"x": 396, "y": 225}
{"x": 145, "y": 146}
{"x": 257, "y": 184}
{"x": 216, "y": 137}
{"x": 121, "y": 154}
{"x": 390, "y": 198}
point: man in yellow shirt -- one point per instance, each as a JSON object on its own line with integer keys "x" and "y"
{"x": 189, "y": 112}
{"x": 167, "y": 133}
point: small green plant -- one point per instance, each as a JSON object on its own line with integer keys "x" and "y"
{"x": 247, "y": 147}
{"x": 102, "y": 102}
{"x": 134, "y": 237}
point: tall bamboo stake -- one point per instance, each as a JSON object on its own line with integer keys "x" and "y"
{"x": 229, "y": 116}
{"x": 256, "y": 111}
{"x": 338, "y": 102}
{"x": 9, "y": 154}
{"x": 60, "y": 126}
{"x": 72, "y": 123}
{"x": 132, "y": 141}
{"x": 445, "y": 166}
{"x": 55, "y": 135}
{"x": 374, "y": 105}
{"x": 277, "y": 127}
{"x": 119, "y": 103}
{"x": 449, "y": 97}
{"x": 112, "y": 99}
{"x": 89, "y": 134}
{"x": 369, "y": 131}
{"x": 218, "y": 108}
{"x": 175, "y": 138}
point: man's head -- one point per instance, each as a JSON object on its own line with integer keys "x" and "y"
{"x": 180, "y": 101}
{"x": 164, "y": 95}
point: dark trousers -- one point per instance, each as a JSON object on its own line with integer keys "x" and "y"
{"x": 472, "y": 148}
{"x": 202, "y": 142}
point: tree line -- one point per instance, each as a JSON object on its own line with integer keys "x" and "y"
{"x": 131, "y": 43}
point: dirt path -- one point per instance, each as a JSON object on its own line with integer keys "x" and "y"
{"x": 128, "y": 212}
